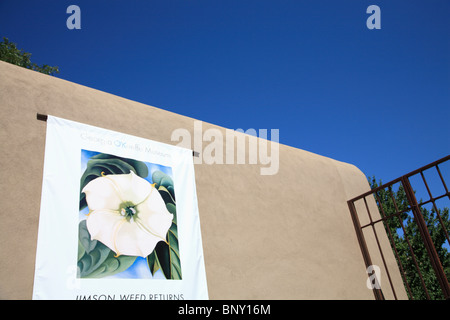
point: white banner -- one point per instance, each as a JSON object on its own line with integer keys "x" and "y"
{"x": 119, "y": 218}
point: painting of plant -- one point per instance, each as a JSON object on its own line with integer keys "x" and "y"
{"x": 127, "y": 219}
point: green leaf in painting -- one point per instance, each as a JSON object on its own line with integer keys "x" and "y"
{"x": 112, "y": 265}
{"x": 173, "y": 210}
{"x": 163, "y": 180}
{"x": 81, "y": 250}
{"x": 95, "y": 260}
{"x": 85, "y": 237}
{"x": 89, "y": 262}
{"x": 165, "y": 194}
{"x": 166, "y": 256}
{"x": 153, "y": 262}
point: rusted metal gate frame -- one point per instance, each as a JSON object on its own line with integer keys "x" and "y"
{"x": 415, "y": 209}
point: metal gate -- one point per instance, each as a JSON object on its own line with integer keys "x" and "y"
{"x": 411, "y": 213}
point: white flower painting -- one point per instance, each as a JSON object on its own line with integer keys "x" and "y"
{"x": 127, "y": 218}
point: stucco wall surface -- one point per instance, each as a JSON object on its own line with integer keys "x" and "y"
{"x": 282, "y": 236}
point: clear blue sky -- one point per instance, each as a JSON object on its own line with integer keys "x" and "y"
{"x": 379, "y": 99}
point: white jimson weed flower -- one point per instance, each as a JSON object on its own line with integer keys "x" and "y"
{"x": 126, "y": 213}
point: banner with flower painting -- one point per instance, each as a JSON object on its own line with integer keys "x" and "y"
{"x": 119, "y": 218}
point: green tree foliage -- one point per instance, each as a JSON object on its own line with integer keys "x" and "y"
{"x": 403, "y": 230}
{"x": 10, "y": 53}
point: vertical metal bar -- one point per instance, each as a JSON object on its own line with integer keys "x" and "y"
{"x": 413, "y": 255}
{"x": 443, "y": 181}
{"x": 426, "y": 184}
{"x": 363, "y": 245}
{"x": 431, "y": 250}
{"x": 380, "y": 249}
{"x": 447, "y": 193}
{"x": 441, "y": 222}
{"x": 384, "y": 215}
{"x": 434, "y": 205}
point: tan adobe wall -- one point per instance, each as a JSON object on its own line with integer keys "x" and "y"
{"x": 283, "y": 236}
